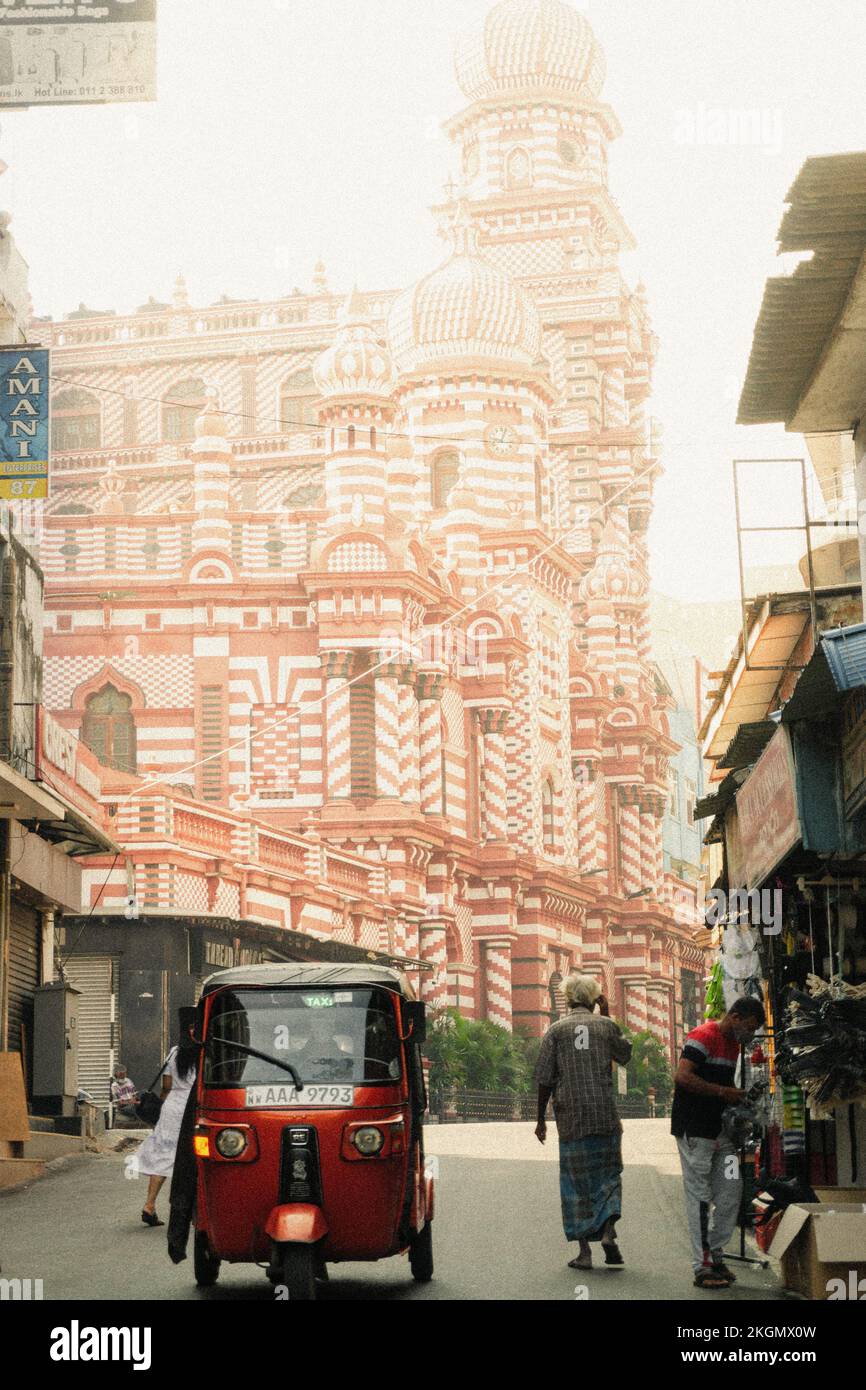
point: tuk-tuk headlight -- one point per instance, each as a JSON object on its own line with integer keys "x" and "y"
{"x": 368, "y": 1140}
{"x": 230, "y": 1143}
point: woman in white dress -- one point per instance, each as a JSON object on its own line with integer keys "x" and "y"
{"x": 155, "y": 1158}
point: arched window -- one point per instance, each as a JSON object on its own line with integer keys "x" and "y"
{"x": 351, "y": 437}
{"x": 548, "y": 831}
{"x": 518, "y": 168}
{"x": 75, "y": 421}
{"x": 183, "y": 404}
{"x": 109, "y": 729}
{"x": 372, "y": 436}
{"x": 299, "y": 398}
{"x": 444, "y": 472}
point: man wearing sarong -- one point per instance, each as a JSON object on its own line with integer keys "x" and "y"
{"x": 575, "y": 1067}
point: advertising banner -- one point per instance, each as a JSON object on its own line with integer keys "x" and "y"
{"x": 767, "y": 811}
{"x": 58, "y": 52}
{"x": 24, "y": 422}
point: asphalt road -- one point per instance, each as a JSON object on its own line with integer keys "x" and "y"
{"x": 497, "y": 1232}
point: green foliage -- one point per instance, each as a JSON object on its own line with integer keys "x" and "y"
{"x": 649, "y": 1067}
{"x": 477, "y": 1055}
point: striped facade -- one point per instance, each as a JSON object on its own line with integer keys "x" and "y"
{"x": 392, "y": 591}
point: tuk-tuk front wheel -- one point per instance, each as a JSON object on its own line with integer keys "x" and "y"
{"x": 299, "y": 1264}
{"x": 206, "y": 1265}
{"x": 421, "y": 1255}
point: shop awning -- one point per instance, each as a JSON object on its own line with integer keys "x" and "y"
{"x": 717, "y": 804}
{"x": 73, "y": 830}
{"x": 807, "y": 362}
{"x": 748, "y": 743}
{"x": 21, "y": 799}
{"x": 838, "y": 664}
{"x": 775, "y": 625}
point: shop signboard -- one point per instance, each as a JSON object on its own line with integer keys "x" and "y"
{"x": 854, "y": 751}
{"x": 767, "y": 816}
{"x": 225, "y": 953}
{"x": 65, "y": 52}
{"x": 24, "y": 418}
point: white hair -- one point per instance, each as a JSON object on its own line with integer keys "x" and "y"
{"x": 581, "y": 990}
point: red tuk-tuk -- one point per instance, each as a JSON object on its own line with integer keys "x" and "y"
{"x": 308, "y": 1136}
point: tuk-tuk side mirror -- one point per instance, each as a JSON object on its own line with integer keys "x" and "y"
{"x": 415, "y": 1020}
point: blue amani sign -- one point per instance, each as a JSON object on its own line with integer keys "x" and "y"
{"x": 24, "y": 417}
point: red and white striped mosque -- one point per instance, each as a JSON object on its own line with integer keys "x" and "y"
{"x": 376, "y": 571}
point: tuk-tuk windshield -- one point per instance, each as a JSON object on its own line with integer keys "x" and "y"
{"x": 347, "y": 1035}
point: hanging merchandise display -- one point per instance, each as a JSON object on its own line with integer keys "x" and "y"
{"x": 824, "y": 1046}
{"x": 741, "y": 963}
{"x": 715, "y": 1004}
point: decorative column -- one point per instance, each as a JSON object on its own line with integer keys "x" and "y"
{"x": 494, "y": 774}
{"x": 648, "y": 847}
{"x": 587, "y": 829}
{"x": 658, "y": 1010}
{"x": 429, "y": 685}
{"x": 212, "y": 459}
{"x": 337, "y": 668}
{"x": 387, "y": 726}
{"x": 657, "y": 811}
{"x": 433, "y": 950}
{"x": 636, "y": 1006}
{"x": 410, "y": 737}
{"x": 497, "y": 982}
{"x": 628, "y": 817}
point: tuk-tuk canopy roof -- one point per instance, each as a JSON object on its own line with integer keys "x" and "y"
{"x": 325, "y": 975}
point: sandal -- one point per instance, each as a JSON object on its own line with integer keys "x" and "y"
{"x": 612, "y": 1255}
{"x": 709, "y": 1279}
{"x": 719, "y": 1267}
{"x": 581, "y": 1262}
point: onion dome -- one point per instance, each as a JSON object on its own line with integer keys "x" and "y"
{"x": 530, "y": 45}
{"x": 612, "y": 578}
{"x": 465, "y": 308}
{"x": 356, "y": 363}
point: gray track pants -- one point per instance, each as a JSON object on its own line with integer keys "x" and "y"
{"x": 712, "y": 1183}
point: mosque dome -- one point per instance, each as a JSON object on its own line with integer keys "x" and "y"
{"x": 612, "y": 579}
{"x": 465, "y": 308}
{"x": 356, "y": 363}
{"x": 530, "y": 45}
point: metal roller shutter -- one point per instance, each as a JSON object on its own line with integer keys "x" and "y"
{"x": 96, "y": 978}
{"x": 24, "y": 938}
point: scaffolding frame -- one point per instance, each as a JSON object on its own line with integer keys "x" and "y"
{"x": 808, "y": 524}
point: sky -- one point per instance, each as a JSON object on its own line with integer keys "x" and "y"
{"x": 286, "y": 130}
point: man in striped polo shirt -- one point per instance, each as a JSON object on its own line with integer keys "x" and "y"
{"x": 711, "y": 1174}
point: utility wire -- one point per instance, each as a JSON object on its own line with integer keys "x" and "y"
{"x": 300, "y": 425}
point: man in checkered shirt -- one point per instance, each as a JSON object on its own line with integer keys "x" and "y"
{"x": 575, "y": 1067}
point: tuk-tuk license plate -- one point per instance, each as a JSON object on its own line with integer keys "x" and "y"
{"x": 281, "y": 1097}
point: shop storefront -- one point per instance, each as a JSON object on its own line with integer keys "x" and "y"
{"x": 795, "y": 930}
{"x": 135, "y": 975}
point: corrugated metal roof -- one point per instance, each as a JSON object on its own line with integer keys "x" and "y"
{"x": 716, "y": 804}
{"x": 845, "y": 649}
{"x": 838, "y": 664}
{"x": 748, "y": 743}
{"x": 826, "y": 215}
